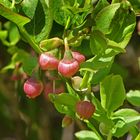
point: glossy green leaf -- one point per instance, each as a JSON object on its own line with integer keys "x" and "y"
{"x": 138, "y": 137}
{"x": 96, "y": 64}
{"x": 133, "y": 97}
{"x": 29, "y": 64}
{"x": 40, "y": 25}
{"x": 84, "y": 48}
{"x": 100, "y": 113}
{"x": 64, "y": 103}
{"x": 14, "y": 35}
{"x": 117, "y": 27}
{"x": 29, "y": 7}
{"x": 12, "y": 16}
{"x": 98, "y": 43}
{"x": 126, "y": 112}
{"x": 99, "y": 65}
{"x": 122, "y": 26}
{"x": 100, "y": 75}
{"x": 112, "y": 92}
{"x": 126, "y": 119}
{"x": 86, "y": 135}
{"x": 99, "y": 6}
{"x": 89, "y": 66}
{"x": 103, "y": 23}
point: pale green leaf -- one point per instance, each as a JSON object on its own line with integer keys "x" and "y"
{"x": 12, "y": 16}
{"x": 112, "y": 92}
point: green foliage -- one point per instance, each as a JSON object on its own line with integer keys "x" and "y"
{"x": 98, "y": 29}
{"x": 125, "y": 120}
{"x": 138, "y": 137}
{"x": 41, "y": 23}
{"x": 29, "y": 64}
{"x": 12, "y": 16}
{"x": 133, "y": 96}
{"x": 65, "y": 103}
{"x": 100, "y": 113}
{"x": 117, "y": 27}
{"x": 98, "y": 43}
{"x": 112, "y": 92}
{"x": 86, "y": 135}
{"x": 29, "y": 7}
{"x": 20, "y": 56}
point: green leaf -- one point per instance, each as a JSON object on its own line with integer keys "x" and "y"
{"x": 64, "y": 103}
{"x": 133, "y": 96}
{"x": 29, "y": 64}
{"x": 134, "y": 132}
{"x": 7, "y": 67}
{"x": 41, "y": 24}
{"x": 122, "y": 25}
{"x": 138, "y": 137}
{"x": 84, "y": 48}
{"x": 100, "y": 113}
{"x": 126, "y": 120}
{"x": 69, "y": 2}
{"x": 12, "y": 16}
{"x": 112, "y": 92}
{"x": 135, "y": 4}
{"x": 100, "y": 75}
{"x": 60, "y": 16}
{"x": 3, "y": 34}
{"x": 67, "y": 13}
{"x": 29, "y": 7}
{"x": 99, "y": 6}
{"x": 98, "y": 43}
{"x": 89, "y": 66}
{"x": 70, "y": 90}
{"x": 126, "y": 112}
{"x": 117, "y": 26}
{"x": 19, "y": 55}
{"x": 14, "y": 35}
{"x": 96, "y": 64}
{"x": 104, "y": 17}
{"x": 99, "y": 65}
{"x": 6, "y": 3}
{"x": 86, "y": 135}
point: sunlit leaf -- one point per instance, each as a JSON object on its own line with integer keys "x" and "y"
{"x": 112, "y": 92}
{"x": 12, "y": 16}
{"x": 133, "y": 96}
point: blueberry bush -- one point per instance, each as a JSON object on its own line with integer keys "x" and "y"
{"x": 69, "y": 63}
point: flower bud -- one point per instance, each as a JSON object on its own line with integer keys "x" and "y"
{"x": 50, "y": 44}
{"x": 85, "y": 109}
{"x": 66, "y": 121}
{"x": 48, "y": 62}
{"x": 79, "y": 57}
{"x": 33, "y": 87}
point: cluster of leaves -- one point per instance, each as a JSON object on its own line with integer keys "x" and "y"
{"x": 97, "y": 29}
